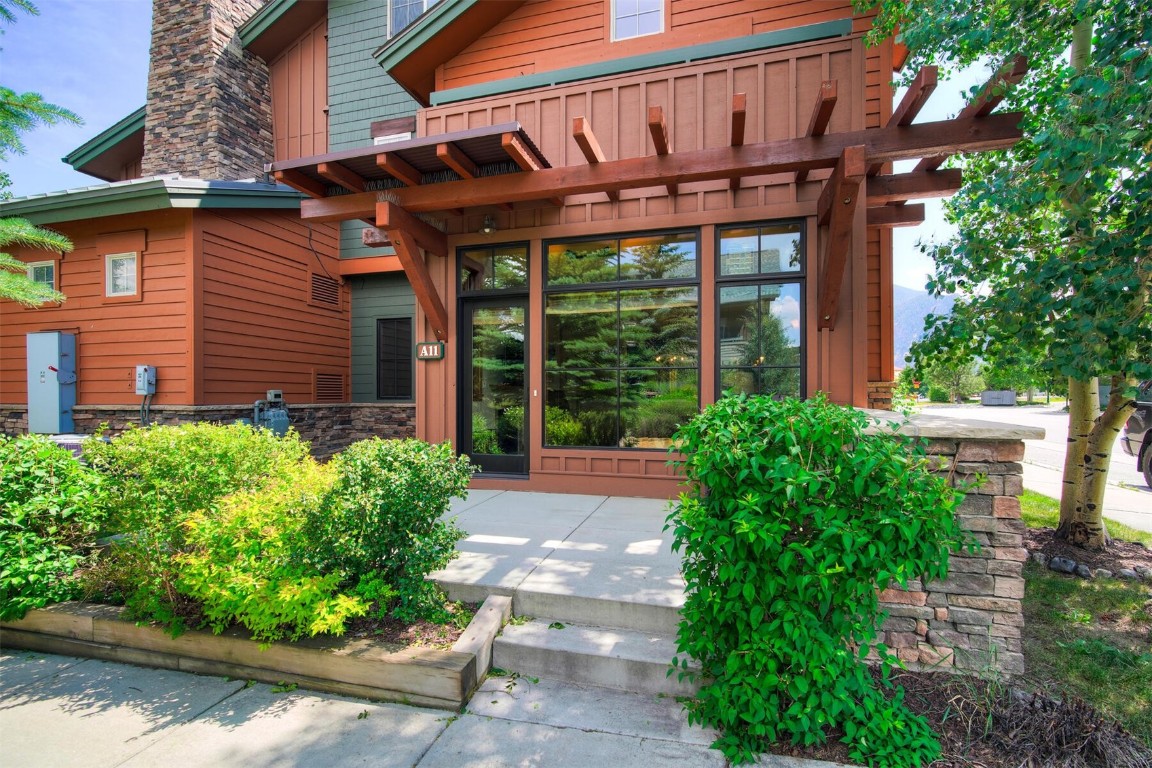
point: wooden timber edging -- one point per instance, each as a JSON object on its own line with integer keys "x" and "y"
{"x": 426, "y": 677}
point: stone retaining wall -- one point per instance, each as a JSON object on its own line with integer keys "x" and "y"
{"x": 972, "y": 621}
{"x": 329, "y": 428}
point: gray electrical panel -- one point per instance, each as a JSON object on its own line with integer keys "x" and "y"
{"x": 51, "y": 382}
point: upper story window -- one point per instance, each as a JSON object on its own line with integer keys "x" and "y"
{"x": 120, "y": 275}
{"x": 43, "y": 273}
{"x": 636, "y": 18}
{"x": 401, "y": 13}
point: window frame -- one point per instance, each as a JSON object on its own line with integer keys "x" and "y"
{"x": 613, "y": 18}
{"x": 798, "y": 277}
{"x": 32, "y": 265}
{"x": 136, "y": 293}
{"x": 619, "y": 286}
{"x": 426, "y": 5}
{"x": 411, "y": 386}
{"x": 462, "y": 292}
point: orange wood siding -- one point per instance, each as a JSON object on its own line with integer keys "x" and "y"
{"x": 299, "y": 80}
{"x": 545, "y": 35}
{"x": 258, "y": 329}
{"x": 111, "y": 337}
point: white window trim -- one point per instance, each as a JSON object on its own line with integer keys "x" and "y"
{"x": 108, "y": 259}
{"x": 612, "y": 18}
{"x": 393, "y": 32}
{"x": 33, "y": 264}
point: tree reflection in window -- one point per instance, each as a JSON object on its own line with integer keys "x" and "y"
{"x": 621, "y": 362}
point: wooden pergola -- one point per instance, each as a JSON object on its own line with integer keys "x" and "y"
{"x": 391, "y": 186}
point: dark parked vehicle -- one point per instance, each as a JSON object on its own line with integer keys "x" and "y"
{"x": 1137, "y": 437}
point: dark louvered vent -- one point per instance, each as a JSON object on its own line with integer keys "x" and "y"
{"x": 329, "y": 387}
{"x": 325, "y": 291}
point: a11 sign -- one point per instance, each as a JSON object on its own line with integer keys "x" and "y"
{"x": 430, "y": 350}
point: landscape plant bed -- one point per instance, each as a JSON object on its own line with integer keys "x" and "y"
{"x": 362, "y": 666}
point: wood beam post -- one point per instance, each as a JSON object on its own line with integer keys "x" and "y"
{"x": 590, "y": 147}
{"x": 658, "y": 129}
{"x": 821, "y": 115}
{"x": 301, "y": 183}
{"x": 422, "y": 283}
{"x": 340, "y": 174}
{"x": 889, "y": 216}
{"x": 390, "y": 216}
{"x": 398, "y": 168}
{"x": 995, "y": 131}
{"x": 837, "y": 208}
{"x": 897, "y": 188}
{"x": 987, "y": 100}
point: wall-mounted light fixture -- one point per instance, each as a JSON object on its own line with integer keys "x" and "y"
{"x": 488, "y": 227}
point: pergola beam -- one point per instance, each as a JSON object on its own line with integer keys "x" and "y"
{"x": 528, "y": 160}
{"x": 837, "y": 207}
{"x": 987, "y": 100}
{"x": 590, "y": 147}
{"x": 896, "y": 188}
{"x": 909, "y": 107}
{"x": 889, "y": 216}
{"x": 340, "y": 174}
{"x": 739, "y": 118}
{"x": 399, "y": 168}
{"x": 390, "y": 216}
{"x": 454, "y": 157}
{"x": 805, "y": 153}
{"x": 821, "y": 116}
{"x": 658, "y": 129}
{"x": 301, "y": 183}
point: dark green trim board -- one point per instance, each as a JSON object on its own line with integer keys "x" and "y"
{"x": 263, "y": 20}
{"x": 805, "y": 34}
{"x": 150, "y": 194}
{"x": 435, "y": 20}
{"x": 105, "y": 140}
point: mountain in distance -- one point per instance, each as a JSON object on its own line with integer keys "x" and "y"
{"x": 909, "y": 308}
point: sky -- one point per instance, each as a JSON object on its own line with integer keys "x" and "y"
{"x": 91, "y": 56}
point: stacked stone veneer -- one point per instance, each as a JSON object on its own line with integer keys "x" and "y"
{"x": 329, "y": 428}
{"x": 973, "y": 620}
{"x": 209, "y": 112}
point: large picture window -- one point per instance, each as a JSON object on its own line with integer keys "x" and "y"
{"x": 760, "y": 327}
{"x": 622, "y": 340}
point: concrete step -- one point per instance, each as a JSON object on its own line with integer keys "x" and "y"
{"x": 621, "y": 659}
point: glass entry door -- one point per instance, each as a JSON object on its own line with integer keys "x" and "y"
{"x": 494, "y": 386}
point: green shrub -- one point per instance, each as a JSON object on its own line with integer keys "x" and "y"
{"x": 793, "y": 520}
{"x": 938, "y": 395}
{"x": 561, "y": 427}
{"x": 484, "y": 437}
{"x": 161, "y": 476}
{"x": 382, "y": 519}
{"x": 247, "y": 562}
{"x": 50, "y": 507}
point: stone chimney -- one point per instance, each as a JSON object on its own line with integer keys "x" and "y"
{"x": 209, "y": 112}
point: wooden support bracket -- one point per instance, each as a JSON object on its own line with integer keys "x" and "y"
{"x": 301, "y": 183}
{"x": 821, "y": 115}
{"x": 390, "y": 216}
{"x": 423, "y": 286}
{"x": 340, "y": 174}
{"x": 590, "y": 147}
{"x": 836, "y": 208}
{"x": 399, "y": 169}
{"x": 658, "y": 129}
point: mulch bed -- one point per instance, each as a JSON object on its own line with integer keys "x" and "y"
{"x": 418, "y": 634}
{"x": 985, "y": 724}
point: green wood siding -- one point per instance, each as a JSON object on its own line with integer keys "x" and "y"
{"x": 373, "y": 297}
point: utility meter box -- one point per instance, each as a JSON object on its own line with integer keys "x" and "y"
{"x": 51, "y": 382}
{"x": 145, "y": 379}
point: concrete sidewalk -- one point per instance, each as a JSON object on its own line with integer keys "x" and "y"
{"x": 62, "y": 712}
{"x": 1129, "y": 506}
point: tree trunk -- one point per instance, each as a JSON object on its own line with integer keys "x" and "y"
{"x": 1084, "y": 523}
{"x": 1083, "y": 397}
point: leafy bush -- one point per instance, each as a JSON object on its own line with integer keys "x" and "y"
{"x": 660, "y": 416}
{"x": 793, "y": 519}
{"x": 484, "y": 438}
{"x": 561, "y": 427}
{"x": 938, "y": 395}
{"x": 161, "y": 476}
{"x": 50, "y": 507}
{"x": 247, "y": 562}
{"x": 382, "y": 518}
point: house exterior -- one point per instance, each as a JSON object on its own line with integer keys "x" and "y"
{"x": 556, "y": 228}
